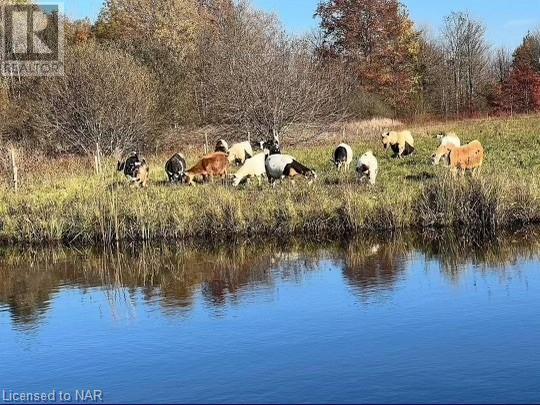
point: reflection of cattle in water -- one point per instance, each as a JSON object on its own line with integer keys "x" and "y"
{"x": 169, "y": 278}
{"x": 372, "y": 268}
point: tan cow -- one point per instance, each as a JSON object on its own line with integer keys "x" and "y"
{"x": 215, "y": 164}
{"x": 468, "y": 157}
{"x": 143, "y": 175}
{"x": 401, "y": 143}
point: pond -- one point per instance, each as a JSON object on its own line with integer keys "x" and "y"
{"x": 410, "y": 318}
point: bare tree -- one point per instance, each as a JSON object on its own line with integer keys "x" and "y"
{"x": 435, "y": 81}
{"x": 501, "y": 64}
{"x": 253, "y": 77}
{"x": 467, "y": 60}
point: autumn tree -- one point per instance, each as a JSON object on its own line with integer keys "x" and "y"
{"x": 78, "y": 32}
{"x": 521, "y": 91}
{"x": 163, "y": 35}
{"x": 378, "y": 40}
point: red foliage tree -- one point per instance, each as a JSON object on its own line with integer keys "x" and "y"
{"x": 521, "y": 91}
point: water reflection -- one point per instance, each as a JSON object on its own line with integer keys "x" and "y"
{"x": 455, "y": 253}
{"x": 172, "y": 277}
{"x": 372, "y": 266}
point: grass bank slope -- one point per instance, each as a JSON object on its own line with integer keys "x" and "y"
{"x": 65, "y": 201}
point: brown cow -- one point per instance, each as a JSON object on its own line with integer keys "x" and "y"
{"x": 468, "y": 157}
{"x": 215, "y": 164}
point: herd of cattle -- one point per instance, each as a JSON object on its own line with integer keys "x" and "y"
{"x": 276, "y": 166}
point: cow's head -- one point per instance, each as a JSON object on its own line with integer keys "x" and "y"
{"x": 222, "y": 146}
{"x": 385, "y": 137}
{"x": 271, "y": 147}
{"x": 442, "y": 152}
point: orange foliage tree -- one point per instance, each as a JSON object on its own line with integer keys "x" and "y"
{"x": 378, "y": 40}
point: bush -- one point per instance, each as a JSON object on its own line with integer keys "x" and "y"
{"x": 469, "y": 203}
{"x": 105, "y": 98}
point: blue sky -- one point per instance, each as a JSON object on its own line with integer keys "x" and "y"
{"x": 507, "y": 21}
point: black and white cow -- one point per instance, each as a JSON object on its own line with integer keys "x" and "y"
{"x": 280, "y": 166}
{"x": 270, "y": 147}
{"x": 222, "y": 146}
{"x": 176, "y": 168}
{"x": 135, "y": 169}
{"x": 343, "y": 156}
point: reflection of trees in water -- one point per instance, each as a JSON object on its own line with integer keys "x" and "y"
{"x": 455, "y": 252}
{"x": 373, "y": 266}
{"x": 174, "y": 276}
{"x": 26, "y": 284}
{"x": 168, "y": 275}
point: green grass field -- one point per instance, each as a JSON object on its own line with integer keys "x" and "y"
{"x": 65, "y": 201}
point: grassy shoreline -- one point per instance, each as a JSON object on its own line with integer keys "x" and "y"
{"x": 64, "y": 201}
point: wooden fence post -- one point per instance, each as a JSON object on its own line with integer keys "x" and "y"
{"x": 14, "y": 168}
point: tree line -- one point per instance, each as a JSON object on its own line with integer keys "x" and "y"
{"x": 145, "y": 67}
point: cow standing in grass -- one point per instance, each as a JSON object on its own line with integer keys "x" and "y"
{"x": 279, "y": 167}
{"x": 176, "y": 168}
{"x": 367, "y": 167}
{"x": 253, "y": 167}
{"x": 222, "y": 146}
{"x": 239, "y": 152}
{"x": 401, "y": 143}
{"x": 343, "y": 156}
{"x": 135, "y": 169}
{"x": 210, "y": 166}
{"x": 469, "y": 157}
{"x": 449, "y": 138}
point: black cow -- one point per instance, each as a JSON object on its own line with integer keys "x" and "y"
{"x": 176, "y": 168}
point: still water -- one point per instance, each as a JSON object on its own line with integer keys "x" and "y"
{"x": 407, "y": 319}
